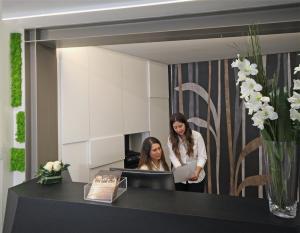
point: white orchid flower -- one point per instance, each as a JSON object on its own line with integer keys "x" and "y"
{"x": 258, "y": 120}
{"x": 242, "y": 77}
{"x": 297, "y": 69}
{"x": 248, "y": 68}
{"x": 269, "y": 112}
{"x": 296, "y": 84}
{"x": 248, "y": 87}
{"x": 295, "y": 100}
{"x": 235, "y": 63}
{"x": 252, "y": 69}
{"x": 49, "y": 166}
{"x": 245, "y": 68}
{"x": 294, "y": 114}
{"x": 240, "y": 64}
{"x": 254, "y": 103}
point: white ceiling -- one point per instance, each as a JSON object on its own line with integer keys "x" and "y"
{"x": 19, "y": 8}
{"x": 174, "y": 52}
{"x": 15, "y": 8}
{"x": 170, "y": 52}
{"x": 52, "y": 13}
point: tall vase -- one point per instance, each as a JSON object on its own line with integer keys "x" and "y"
{"x": 281, "y": 166}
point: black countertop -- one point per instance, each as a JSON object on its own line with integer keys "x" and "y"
{"x": 31, "y": 207}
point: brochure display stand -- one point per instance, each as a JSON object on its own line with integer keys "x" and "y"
{"x": 106, "y": 187}
{"x": 105, "y": 194}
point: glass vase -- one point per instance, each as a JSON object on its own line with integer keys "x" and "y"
{"x": 281, "y": 167}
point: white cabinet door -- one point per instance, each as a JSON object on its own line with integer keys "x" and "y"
{"x": 106, "y": 150}
{"x": 76, "y": 155}
{"x": 158, "y": 80}
{"x": 135, "y": 95}
{"x": 105, "y": 93}
{"x": 74, "y": 91}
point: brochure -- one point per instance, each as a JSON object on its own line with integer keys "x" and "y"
{"x": 186, "y": 171}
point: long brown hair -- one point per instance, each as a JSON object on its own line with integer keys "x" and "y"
{"x": 174, "y": 138}
{"x": 145, "y": 154}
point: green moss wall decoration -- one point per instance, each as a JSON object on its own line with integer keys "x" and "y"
{"x": 20, "y": 135}
{"x": 16, "y": 69}
{"x": 17, "y": 161}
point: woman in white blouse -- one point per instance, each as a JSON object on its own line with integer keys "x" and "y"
{"x": 152, "y": 156}
{"x": 186, "y": 145}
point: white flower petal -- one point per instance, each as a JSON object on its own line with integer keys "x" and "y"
{"x": 294, "y": 114}
{"x": 57, "y": 166}
{"x": 296, "y": 84}
{"x": 297, "y": 69}
{"x": 254, "y": 103}
{"x": 49, "y": 166}
{"x": 265, "y": 99}
{"x": 268, "y": 112}
{"x": 295, "y": 100}
{"x": 235, "y": 63}
{"x": 258, "y": 120}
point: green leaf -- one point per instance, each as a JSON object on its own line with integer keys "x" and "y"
{"x": 285, "y": 130}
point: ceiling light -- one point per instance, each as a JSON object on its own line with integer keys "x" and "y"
{"x": 97, "y": 9}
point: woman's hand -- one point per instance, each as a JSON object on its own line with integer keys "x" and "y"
{"x": 196, "y": 174}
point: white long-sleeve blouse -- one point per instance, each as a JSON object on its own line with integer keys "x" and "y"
{"x": 199, "y": 154}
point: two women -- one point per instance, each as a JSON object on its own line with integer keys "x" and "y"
{"x": 185, "y": 145}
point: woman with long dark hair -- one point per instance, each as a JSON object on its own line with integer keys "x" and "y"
{"x": 152, "y": 156}
{"x": 186, "y": 145}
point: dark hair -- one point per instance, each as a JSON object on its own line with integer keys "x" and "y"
{"x": 174, "y": 138}
{"x": 145, "y": 154}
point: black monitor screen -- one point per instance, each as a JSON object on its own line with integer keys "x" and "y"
{"x": 148, "y": 179}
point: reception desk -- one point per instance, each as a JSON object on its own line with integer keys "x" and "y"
{"x": 59, "y": 208}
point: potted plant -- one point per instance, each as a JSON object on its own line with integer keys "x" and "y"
{"x": 50, "y": 173}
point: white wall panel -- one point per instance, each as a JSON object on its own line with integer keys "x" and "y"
{"x": 76, "y": 154}
{"x": 105, "y": 93}
{"x": 1, "y": 192}
{"x": 74, "y": 95}
{"x": 159, "y": 120}
{"x": 135, "y": 95}
{"x": 106, "y": 150}
{"x": 158, "y": 74}
{"x": 159, "y": 103}
{"x": 77, "y": 56}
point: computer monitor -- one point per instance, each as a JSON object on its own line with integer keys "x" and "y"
{"x": 148, "y": 179}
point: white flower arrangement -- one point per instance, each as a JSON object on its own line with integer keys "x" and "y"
{"x": 51, "y": 172}
{"x": 295, "y": 98}
{"x": 274, "y": 109}
{"x": 255, "y": 102}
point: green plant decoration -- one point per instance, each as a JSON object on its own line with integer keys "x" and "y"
{"x": 20, "y": 135}
{"x": 17, "y": 161}
{"x": 16, "y": 68}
